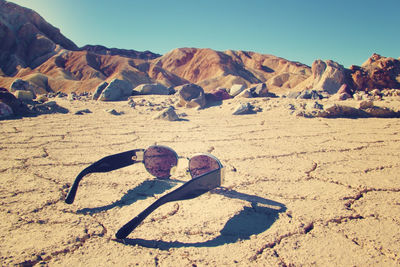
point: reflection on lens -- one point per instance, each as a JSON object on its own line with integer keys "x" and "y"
{"x": 159, "y": 160}
{"x": 202, "y": 164}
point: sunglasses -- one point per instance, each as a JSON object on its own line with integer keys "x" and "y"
{"x": 160, "y": 161}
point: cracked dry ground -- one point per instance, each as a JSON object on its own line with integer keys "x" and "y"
{"x": 297, "y": 191}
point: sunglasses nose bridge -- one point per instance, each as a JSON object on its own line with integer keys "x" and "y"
{"x": 186, "y": 170}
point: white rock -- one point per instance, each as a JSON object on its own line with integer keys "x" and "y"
{"x": 243, "y": 108}
{"x": 168, "y": 114}
{"x": 236, "y": 89}
{"x": 327, "y": 76}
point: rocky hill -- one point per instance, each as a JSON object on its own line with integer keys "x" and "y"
{"x": 33, "y": 50}
{"x": 27, "y": 40}
{"x": 102, "y": 50}
{"x": 37, "y": 52}
{"x": 211, "y": 69}
{"x": 377, "y": 72}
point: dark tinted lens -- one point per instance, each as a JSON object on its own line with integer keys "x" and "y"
{"x": 202, "y": 164}
{"x": 159, "y": 160}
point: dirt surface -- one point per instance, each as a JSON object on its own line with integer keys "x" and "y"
{"x": 299, "y": 191}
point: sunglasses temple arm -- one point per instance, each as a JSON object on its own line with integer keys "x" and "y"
{"x": 106, "y": 164}
{"x": 189, "y": 190}
{"x": 132, "y": 224}
{"x": 72, "y": 191}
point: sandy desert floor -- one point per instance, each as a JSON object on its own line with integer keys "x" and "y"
{"x": 297, "y": 191}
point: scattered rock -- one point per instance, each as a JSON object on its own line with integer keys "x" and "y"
{"x": 24, "y": 95}
{"x": 42, "y": 98}
{"x": 361, "y": 95}
{"x": 309, "y": 94}
{"x": 132, "y": 103}
{"x": 366, "y": 109}
{"x": 243, "y": 108}
{"x": 72, "y": 96}
{"x": 168, "y": 114}
{"x": 375, "y": 92}
{"x": 291, "y": 107}
{"x": 152, "y": 89}
{"x": 82, "y": 112}
{"x": 390, "y": 92}
{"x": 191, "y": 95}
{"x": 99, "y": 90}
{"x": 50, "y": 107}
{"x": 181, "y": 115}
{"x": 306, "y": 94}
{"x": 117, "y": 90}
{"x": 61, "y": 95}
{"x": 236, "y": 89}
{"x": 114, "y": 112}
{"x": 314, "y": 105}
{"x": 366, "y": 104}
{"x": 341, "y": 96}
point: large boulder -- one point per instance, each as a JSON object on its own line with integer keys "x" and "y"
{"x": 191, "y": 95}
{"x": 151, "y": 89}
{"x": 217, "y": 95}
{"x": 236, "y": 89}
{"x": 342, "y": 94}
{"x": 328, "y": 76}
{"x": 24, "y": 95}
{"x": 117, "y": 90}
{"x": 22, "y": 85}
{"x": 5, "y": 110}
{"x": 100, "y": 88}
{"x": 36, "y": 83}
{"x": 261, "y": 90}
{"x": 18, "y": 107}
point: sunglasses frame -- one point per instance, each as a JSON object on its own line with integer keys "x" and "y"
{"x": 195, "y": 187}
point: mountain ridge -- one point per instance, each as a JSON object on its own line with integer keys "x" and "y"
{"x": 39, "y": 53}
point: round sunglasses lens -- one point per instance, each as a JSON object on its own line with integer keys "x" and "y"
{"x": 159, "y": 161}
{"x": 202, "y": 164}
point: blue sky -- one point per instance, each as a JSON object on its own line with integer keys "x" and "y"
{"x": 346, "y": 31}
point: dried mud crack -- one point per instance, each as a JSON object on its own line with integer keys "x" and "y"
{"x": 74, "y": 245}
{"x": 296, "y": 191}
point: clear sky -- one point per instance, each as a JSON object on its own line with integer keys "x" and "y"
{"x": 346, "y": 31}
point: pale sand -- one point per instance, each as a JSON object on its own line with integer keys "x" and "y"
{"x": 299, "y": 191}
